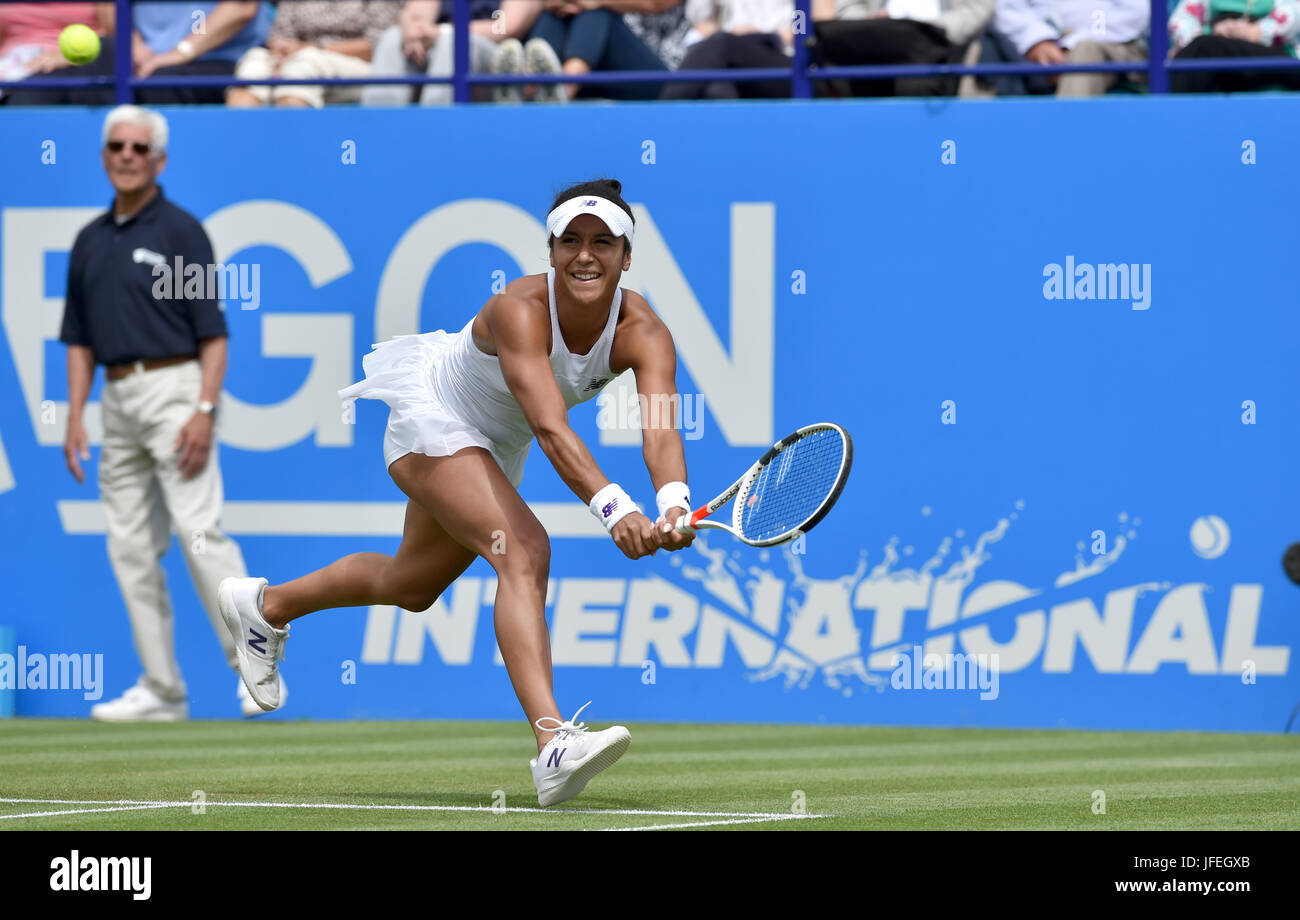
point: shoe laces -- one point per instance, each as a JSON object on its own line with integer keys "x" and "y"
{"x": 568, "y": 727}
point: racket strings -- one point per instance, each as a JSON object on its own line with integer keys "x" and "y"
{"x": 790, "y": 489}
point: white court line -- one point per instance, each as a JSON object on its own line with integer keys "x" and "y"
{"x": 673, "y": 827}
{"x": 83, "y": 811}
{"x": 733, "y": 817}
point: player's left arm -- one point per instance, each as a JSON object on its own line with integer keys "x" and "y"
{"x": 647, "y": 349}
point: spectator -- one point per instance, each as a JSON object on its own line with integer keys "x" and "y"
{"x": 170, "y": 39}
{"x": 311, "y": 39}
{"x": 740, "y": 34}
{"x": 424, "y": 41}
{"x": 901, "y": 32}
{"x": 1075, "y": 32}
{"x": 578, "y": 36}
{"x": 164, "y": 353}
{"x": 29, "y": 35}
{"x": 1233, "y": 28}
{"x": 665, "y": 32}
{"x": 193, "y": 39}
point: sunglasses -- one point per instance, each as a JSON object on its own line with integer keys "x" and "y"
{"x": 117, "y": 146}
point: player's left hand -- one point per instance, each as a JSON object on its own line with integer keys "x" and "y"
{"x": 667, "y": 536}
{"x": 192, "y": 444}
{"x": 634, "y": 535}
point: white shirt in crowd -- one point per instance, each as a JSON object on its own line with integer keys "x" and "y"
{"x": 763, "y": 15}
{"x": 1068, "y": 22}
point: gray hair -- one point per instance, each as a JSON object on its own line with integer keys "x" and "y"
{"x": 146, "y": 118}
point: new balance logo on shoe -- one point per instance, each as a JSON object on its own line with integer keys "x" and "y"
{"x": 554, "y": 759}
{"x": 258, "y": 641}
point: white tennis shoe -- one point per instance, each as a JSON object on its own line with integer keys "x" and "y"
{"x": 540, "y": 58}
{"x": 573, "y": 756}
{"x": 248, "y": 706}
{"x": 258, "y": 644}
{"x": 508, "y": 60}
{"x": 140, "y": 704}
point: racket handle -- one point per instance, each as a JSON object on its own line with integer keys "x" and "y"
{"x": 686, "y": 521}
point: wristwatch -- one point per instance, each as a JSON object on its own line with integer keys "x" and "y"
{"x": 186, "y": 49}
{"x": 208, "y": 408}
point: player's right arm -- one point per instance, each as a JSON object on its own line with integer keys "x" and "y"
{"x": 520, "y": 333}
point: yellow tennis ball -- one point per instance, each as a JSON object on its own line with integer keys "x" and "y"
{"x": 79, "y": 44}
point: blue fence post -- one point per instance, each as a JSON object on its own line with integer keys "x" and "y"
{"x": 123, "y": 25}
{"x": 800, "y": 84}
{"x": 460, "y": 57}
{"x": 1157, "y": 74}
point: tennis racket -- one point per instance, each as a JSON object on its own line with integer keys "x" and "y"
{"x": 786, "y": 492}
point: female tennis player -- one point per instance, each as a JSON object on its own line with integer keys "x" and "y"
{"x": 465, "y": 408}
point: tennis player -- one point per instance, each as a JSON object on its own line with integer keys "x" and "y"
{"x": 465, "y": 408}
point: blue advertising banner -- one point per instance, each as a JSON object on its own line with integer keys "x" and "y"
{"x": 1061, "y": 335}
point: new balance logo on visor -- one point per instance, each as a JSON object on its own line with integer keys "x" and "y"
{"x": 609, "y": 509}
{"x": 554, "y": 759}
{"x": 258, "y": 641}
{"x": 589, "y": 203}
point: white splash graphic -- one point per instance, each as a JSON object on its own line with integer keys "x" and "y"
{"x": 819, "y": 633}
{"x": 1100, "y": 561}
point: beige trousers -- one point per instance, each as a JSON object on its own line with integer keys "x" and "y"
{"x": 144, "y": 497}
{"x": 304, "y": 64}
{"x": 1089, "y": 52}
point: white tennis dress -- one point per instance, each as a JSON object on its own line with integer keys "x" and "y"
{"x": 445, "y": 394}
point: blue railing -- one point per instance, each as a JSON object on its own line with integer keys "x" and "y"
{"x": 801, "y": 73}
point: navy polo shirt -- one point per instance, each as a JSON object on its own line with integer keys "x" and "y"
{"x": 112, "y": 306}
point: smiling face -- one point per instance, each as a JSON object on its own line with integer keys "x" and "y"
{"x": 589, "y": 260}
{"x": 128, "y": 169}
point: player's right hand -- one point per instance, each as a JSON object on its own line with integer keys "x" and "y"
{"x": 668, "y": 536}
{"x": 76, "y": 445}
{"x": 635, "y": 536}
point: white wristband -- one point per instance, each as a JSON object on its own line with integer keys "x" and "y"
{"x": 673, "y": 495}
{"x": 610, "y": 505}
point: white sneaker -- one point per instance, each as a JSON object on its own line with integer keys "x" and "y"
{"x": 257, "y": 642}
{"x": 140, "y": 704}
{"x": 248, "y": 706}
{"x": 573, "y": 756}
{"x": 540, "y": 58}
{"x": 508, "y": 60}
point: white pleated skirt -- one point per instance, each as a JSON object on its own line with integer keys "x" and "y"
{"x": 400, "y": 372}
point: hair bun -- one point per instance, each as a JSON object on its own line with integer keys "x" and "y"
{"x": 614, "y": 184}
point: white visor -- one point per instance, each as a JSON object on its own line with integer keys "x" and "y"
{"x": 615, "y": 218}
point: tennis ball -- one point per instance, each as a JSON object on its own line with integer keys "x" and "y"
{"x": 79, "y": 44}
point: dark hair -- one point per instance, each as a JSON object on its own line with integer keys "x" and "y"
{"x": 611, "y": 189}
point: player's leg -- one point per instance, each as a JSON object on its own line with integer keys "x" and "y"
{"x": 477, "y": 505}
{"x": 426, "y": 563}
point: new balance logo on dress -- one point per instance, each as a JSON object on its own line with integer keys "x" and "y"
{"x": 258, "y": 641}
{"x": 596, "y": 384}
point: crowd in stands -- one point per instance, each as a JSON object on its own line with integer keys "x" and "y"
{"x": 323, "y": 39}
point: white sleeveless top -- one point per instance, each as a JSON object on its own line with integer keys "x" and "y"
{"x": 470, "y": 384}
